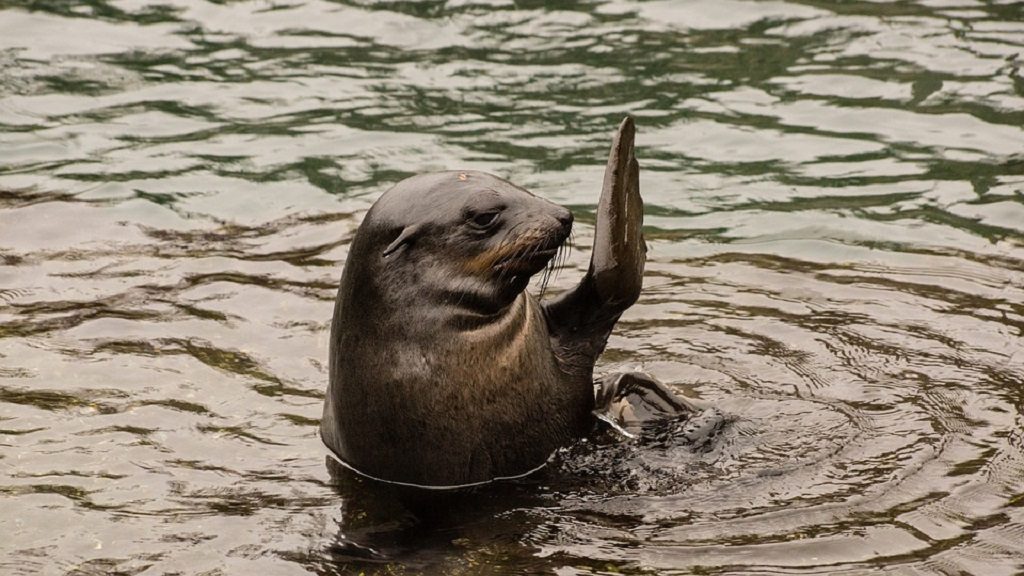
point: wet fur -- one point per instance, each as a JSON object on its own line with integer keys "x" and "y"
{"x": 444, "y": 370}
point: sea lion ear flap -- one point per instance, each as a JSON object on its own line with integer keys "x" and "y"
{"x": 407, "y": 235}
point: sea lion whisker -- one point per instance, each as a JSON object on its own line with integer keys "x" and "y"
{"x": 542, "y": 282}
{"x": 546, "y": 277}
{"x": 554, "y": 265}
{"x": 513, "y": 238}
{"x": 518, "y": 251}
{"x": 558, "y": 262}
{"x": 510, "y": 240}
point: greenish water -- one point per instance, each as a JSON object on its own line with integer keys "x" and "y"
{"x": 835, "y": 214}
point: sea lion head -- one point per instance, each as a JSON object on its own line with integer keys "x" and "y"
{"x": 464, "y": 238}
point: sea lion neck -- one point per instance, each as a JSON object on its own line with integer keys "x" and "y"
{"x": 473, "y": 316}
{"x": 462, "y": 303}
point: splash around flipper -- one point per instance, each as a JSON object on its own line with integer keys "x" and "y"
{"x": 635, "y": 405}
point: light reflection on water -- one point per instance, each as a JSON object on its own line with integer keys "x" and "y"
{"x": 835, "y": 211}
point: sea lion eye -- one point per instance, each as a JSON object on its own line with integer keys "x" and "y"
{"x": 484, "y": 219}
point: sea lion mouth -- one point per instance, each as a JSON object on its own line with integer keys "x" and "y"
{"x": 527, "y": 257}
{"x": 527, "y": 261}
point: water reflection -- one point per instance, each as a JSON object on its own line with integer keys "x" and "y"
{"x": 379, "y": 527}
{"x": 836, "y": 228}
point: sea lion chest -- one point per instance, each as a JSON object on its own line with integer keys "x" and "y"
{"x": 457, "y": 400}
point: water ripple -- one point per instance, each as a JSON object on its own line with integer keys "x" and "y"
{"x": 835, "y": 219}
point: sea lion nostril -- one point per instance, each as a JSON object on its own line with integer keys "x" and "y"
{"x": 565, "y": 218}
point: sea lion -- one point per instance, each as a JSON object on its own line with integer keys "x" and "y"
{"x": 444, "y": 371}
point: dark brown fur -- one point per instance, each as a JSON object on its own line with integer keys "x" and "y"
{"x": 443, "y": 370}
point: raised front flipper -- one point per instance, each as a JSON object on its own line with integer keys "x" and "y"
{"x": 582, "y": 318}
{"x": 617, "y": 262}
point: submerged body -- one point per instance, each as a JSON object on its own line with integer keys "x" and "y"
{"x": 444, "y": 371}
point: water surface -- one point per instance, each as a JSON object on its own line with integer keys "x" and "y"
{"x": 835, "y": 214}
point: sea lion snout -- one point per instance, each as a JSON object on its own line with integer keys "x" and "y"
{"x": 545, "y": 218}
